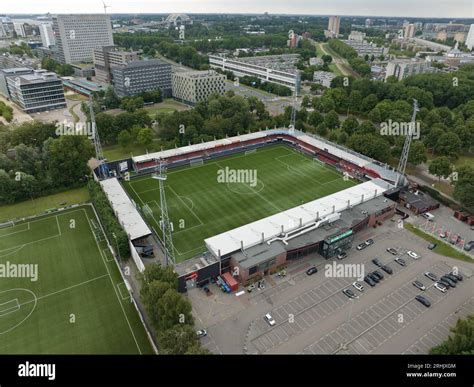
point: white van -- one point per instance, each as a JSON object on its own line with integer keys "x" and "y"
{"x": 428, "y": 216}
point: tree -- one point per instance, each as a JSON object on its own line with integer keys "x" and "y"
{"x": 417, "y": 153}
{"x": 331, "y": 120}
{"x": 124, "y": 138}
{"x": 350, "y": 125}
{"x": 327, "y": 59}
{"x": 178, "y": 340}
{"x": 441, "y": 167}
{"x": 151, "y": 293}
{"x": 171, "y": 309}
{"x": 448, "y": 144}
{"x": 68, "y": 157}
{"x": 461, "y": 342}
{"x": 464, "y": 186}
{"x": 145, "y": 136}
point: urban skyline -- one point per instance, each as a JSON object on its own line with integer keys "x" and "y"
{"x": 402, "y": 8}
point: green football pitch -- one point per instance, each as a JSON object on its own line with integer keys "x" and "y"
{"x": 68, "y": 297}
{"x": 201, "y": 206}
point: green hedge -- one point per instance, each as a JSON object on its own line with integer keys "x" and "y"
{"x": 108, "y": 219}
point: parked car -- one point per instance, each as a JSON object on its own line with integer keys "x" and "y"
{"x": 269, "y": 319}
{"x": 432, "y": 246}
{"x": 423, "y": 300}
{"x": 457, "y": 275}
{"x": 419, "y": 285}
{"x": 369, "y": 242}
{"x": 387, "y": 269}
{"x": 440, "y": 287}
{"x": 413, "y": 255}
{"x": 392, "y": 251}
{"x": 400, "y": 261}
{"x": 282, "y": 273}
{"x": 201, "y": 333}
{"x": 443, "y": 235}
{"x": 349, "y": 293}
{"x": 431, "y": 276}
{"x": 358, "y": 286}
{"x": 377, "y": 262}
{"x": 312, "y": 270}
{"x": 374, "y": 278}
{"x": 444, "y": 283}
{"x": 361, "y": 246}
{"x": 469, "y": 246}
{"x": 452, "y": 277}
{"x": 378, "y": 274}
{"x": 370, "y": 281}
{"x": 449, "y": 281}
{"x": 342, "y": 255}
{"x": 250, "y": 288}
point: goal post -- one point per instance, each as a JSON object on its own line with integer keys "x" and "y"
{"x": 10, "y": 223}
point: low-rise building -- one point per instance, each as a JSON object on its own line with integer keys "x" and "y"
{"x": 279, "y": 69}
{"x": 323, "y": 78}
{"x": 140, "y": 76}
{"x": 402, "y": 68}
{"x": 196, "y": 86}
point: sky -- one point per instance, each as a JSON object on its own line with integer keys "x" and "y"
{"x": 413, "y": 8}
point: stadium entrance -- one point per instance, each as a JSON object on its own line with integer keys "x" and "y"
{"x": 336, "y": 244}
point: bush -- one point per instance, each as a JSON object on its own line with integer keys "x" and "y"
{"x": 108, "y": 219}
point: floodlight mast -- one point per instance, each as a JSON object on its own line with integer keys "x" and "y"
{"x": 166, "y": 228}
{"x": 402, "y": 164}
{"x": 99, "y": 154}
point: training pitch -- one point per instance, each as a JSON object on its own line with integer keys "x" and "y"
{"x": 200, "y": 205}
{"x": 61, "y": 291}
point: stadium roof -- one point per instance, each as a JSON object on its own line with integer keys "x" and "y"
{"x": 294, "y": 218}
{"x": 127, "y": 214}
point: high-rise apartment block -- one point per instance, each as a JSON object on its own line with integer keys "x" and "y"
{"x": 77, "y": 36}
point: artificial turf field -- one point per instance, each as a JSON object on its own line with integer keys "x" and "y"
{"x": 79, "y": 303}
{"x": 200, "y": 207}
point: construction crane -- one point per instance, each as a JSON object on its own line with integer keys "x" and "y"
{"x": 105, "y": 7}
{"x": 402, "y": 164}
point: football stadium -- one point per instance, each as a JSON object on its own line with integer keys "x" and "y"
{"x": 242, "y": 207}
{"x": 68, "y": 295}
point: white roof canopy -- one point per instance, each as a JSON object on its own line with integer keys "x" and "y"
{"x": 294, "y": 218}
{"x": 126, "y": 213}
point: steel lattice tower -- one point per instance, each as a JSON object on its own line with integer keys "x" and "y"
{"x": 99, "y": 154}
{"x": 168, "y": 247}
{"x": 406, "y": 147}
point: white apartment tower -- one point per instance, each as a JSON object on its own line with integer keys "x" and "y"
{"x": 47, "y": 34}
{"x": 77, "y": 36}
{"x": 470, "y": 38}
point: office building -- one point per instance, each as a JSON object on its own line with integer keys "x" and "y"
{"x": 357, "y": 36}
{"x": 196, "y": 86}
{"x": 139, "y": 76}
{"x": 36, "y": 91}
{"x": 402, "y": 68}
{"x": 107, "y": 57}
{"x": 47, "y": 35}
{"x": 77, "y": 36}
{"x": 11, "y": 72}
{"x": 470, "y": 38}
{"x": 279, "y": 69}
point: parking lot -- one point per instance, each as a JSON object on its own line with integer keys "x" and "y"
{"x": 313, "y": 316}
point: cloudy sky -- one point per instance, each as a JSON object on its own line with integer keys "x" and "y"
{"x": 416, "y": 8}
